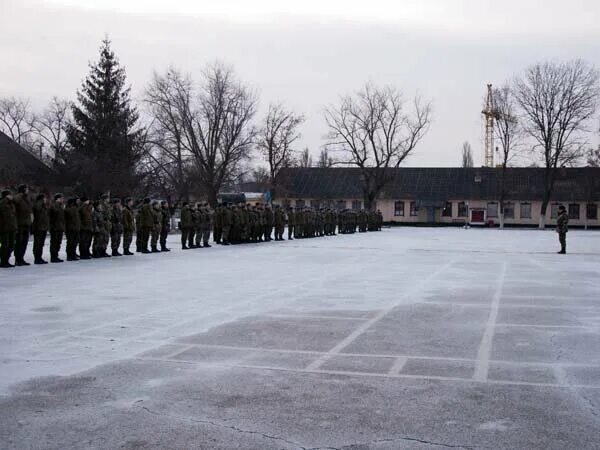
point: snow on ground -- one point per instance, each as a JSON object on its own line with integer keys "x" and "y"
{"x": 458, "y": 319}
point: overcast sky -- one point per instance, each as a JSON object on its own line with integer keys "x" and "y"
{"x": 305, "y": 53}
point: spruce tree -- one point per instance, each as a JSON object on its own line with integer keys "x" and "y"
{"x": 104, "y": 137}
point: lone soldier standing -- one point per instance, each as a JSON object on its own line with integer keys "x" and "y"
{"x": 57, "y": 227}
{"x": 72, "y": 228}
{"x": 23, "y": 210}
{"x": 86, "y": 212}
{"x": 8, "y": 228}
{"x": 41, "y": 223}
{"x": 562, "y": 227}
{"x": 165, "y": 226}
{"x": 128, "y": 226}
{"x": 116, "y": 230}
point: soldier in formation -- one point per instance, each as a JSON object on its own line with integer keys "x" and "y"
{"x": 562, "y": 227}
{"x": 90, "y": 227}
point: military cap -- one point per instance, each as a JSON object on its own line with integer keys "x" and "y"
{"x": 83, "y": 199}
{"x": 58, "y": 195}
{"x": 164, "y": 202}
{"x": 6, "y": 193}
{"x": 104, "y": 197}
{"x": 71, "y": 201}
{"x": 128, "y": 199}
{"x": 116, "y": 200}
{"x": 147, "y": 200}
{"x": 40, "y": 197}
{"x": 22, "y": 188}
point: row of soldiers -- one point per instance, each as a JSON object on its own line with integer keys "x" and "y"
{"x": 92, "y": 227}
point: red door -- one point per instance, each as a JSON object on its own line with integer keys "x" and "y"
{"x": 477, "y": 216}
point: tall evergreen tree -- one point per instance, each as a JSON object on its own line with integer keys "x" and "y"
{"x": 104, "y": 137}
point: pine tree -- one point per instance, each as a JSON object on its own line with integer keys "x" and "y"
{"x": 104, "y": 138}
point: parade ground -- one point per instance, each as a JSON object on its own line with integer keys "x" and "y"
{"x": 416, "y": 338}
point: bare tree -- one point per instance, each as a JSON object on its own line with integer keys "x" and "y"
{"x": 16, "y": 120}
{"x": 276, "y": 138}
{"x": 305, "y": 159}
{"x": 325, "y": 160}
{"x": 508, "y": 132}
{"x": 50, "y": 129}
{"x": 167, "y": 158}
{"x": 558, "y": 102}
{"x": 373, "y": 132}
{"x": 593, "y": 157}
{"x": 214, "y": 122}
{"x": 260, "y": 174}
{"x": 467, "y": 155}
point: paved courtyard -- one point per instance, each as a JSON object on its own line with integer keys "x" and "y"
{"x": 408, "y": 338}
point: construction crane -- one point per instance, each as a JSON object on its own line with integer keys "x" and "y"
{"x": 490, "y": 114}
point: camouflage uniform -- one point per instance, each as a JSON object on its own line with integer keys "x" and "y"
{"x": 8, "y": 228}
{"x": 186, "y": 224}
{"x": 128, "y": 227}
{"x": 156, "y": 226}
{"x": 41, "y": 223}
{"x": 291, "y": 222}
{"x": 86, "y": 212}
{"x": 562, "y": 227}
{"x": 165, "y": 226}
{"x": 57, "y": 228}
{"x": 99, "y": 226}
{"x": 23, "y": 212}
{"x": 116, "y": 230}
{"x": 72, "y": 229}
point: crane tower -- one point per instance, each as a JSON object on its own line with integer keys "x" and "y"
{"x": 489, "y": 114}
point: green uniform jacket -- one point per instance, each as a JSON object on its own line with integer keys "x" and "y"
{"x": 128, "y": 225}
{"x": 157, "y": 216}
{"x": 166, "y": 219}
{"x": 187, "y": 220}
{"x": 85, "y": 217}
{"x": 107, "y": 217}
{"x": 98, "y": 221}
{"x": 146, "y": 216}
{"x": 57, "y": 217}
{"x": 23, "y": 210}
{"x": 8, "y": 216}
{"x": 562, "y": 223}
{"x": 71, "y": 218}
{"x": 227, "y": 217}
{"x": 116, "y": 219}
{"x": 41, "y": 221}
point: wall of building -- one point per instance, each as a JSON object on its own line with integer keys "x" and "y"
{"x": 388, "y": 209}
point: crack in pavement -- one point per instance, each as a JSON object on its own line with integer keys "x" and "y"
{"x": 301, "y": 447}
{"x": 231, "y": 427}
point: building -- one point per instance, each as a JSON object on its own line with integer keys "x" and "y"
{"x": 452, "y": 195}
{"x": 17, "y": 166}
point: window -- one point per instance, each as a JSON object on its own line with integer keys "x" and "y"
{"x": 509, "y": 210}
{"x": 315, "y": 204}
{"x": 492, "y": 209}
{"x": 525, "y": 211}
{"x": 554, "y": 210}
{"x": 447, "y": 211}
{"x": 399, "y": 208}
{"x": 340, "y": 205}
{"x": 574, "y": 211}
{"x": 463, "y": 210}
{"x": 356, "y": 205}
{"x": 413, "y": 209}
{"x": 591, "y": 211}
{"x": 299, "y": 203}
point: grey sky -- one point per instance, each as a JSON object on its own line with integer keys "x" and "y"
{"x": 305, "y": 53}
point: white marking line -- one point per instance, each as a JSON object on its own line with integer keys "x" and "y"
{"x": 398, "y": 365}
{"x": 365, "y": 326}
{"x": 485, "y": 348}
{"x": 527, "y": 325}
{"x": 295, "y": 316}
{"x": 213, "y": 365}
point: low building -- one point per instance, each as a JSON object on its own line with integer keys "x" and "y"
{"x": 452, "y": 195}
{"x": 17, "y": 166}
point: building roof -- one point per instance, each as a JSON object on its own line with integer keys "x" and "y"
{"x": 445, "y": 183}
{"x": 17, "y": 165}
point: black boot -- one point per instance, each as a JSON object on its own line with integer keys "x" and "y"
{"x": 126, "y": 252}
{"x": 6, "y": 265}
{"x": 116, "y": 253}
{"x": 155, "y": 250}
{"x": 165, "y": 249}
{"x": 40, "y": 261}
{"x": 55, "y": 259}
{"x": 22, "y": 262}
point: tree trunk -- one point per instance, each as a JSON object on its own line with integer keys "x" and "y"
{"x": 501, "y": 219}
{"x": 212, "y": 198}
{"x": 543, "y": 212}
